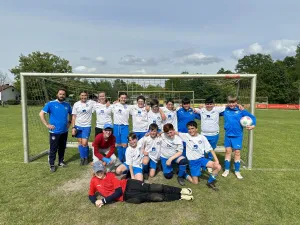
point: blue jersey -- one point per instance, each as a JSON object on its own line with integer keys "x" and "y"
{"x": 232, "y": 125}
{"x": 58, "y": 115}
{"x": 185, "y": 116}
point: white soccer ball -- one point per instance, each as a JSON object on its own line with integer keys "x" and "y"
{"x": 246, "y": 121}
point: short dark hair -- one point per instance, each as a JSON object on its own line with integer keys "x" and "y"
{"x": 122, "y": 93}
{"x": 62, "y": 89}
{"x": 169, "y": 100}
{"x": 154, "y": 102}
{"x": 192, "y": 124}
{"x": 132, "y": 135}
{"x": 153, "y": 126}
{"x": 209, "y": 100}
{"x": 141, "y": 97}
{"x": 232, "y": 98}
{"x": 167, "y": 127}
{"x": 185, "y": 101}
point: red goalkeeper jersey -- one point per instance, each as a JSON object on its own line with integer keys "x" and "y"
{"x": 100, "y": 143}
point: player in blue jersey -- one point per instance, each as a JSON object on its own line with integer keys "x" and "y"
{"x": 185, "y": 115}
{"x": 234, "y": 134}
{"x": 59, "y": 122}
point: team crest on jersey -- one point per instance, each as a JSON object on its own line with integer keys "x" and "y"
{"x": 191, "y": 113}
{"x": 207, "y": 116}
{"x": 153, "y": 149}
{"x": 84, "y": 110}
{"x": 53, "y": 138}
{"x": 120, "y": 111}
{"x": 169, "y": 116}
{"x": 195, "y": 147}
{"x": 102, "y": 111}
{"x": 200, "y": 142}
{"x": 66, "y": 108}
{"x": 236, "y": 112}
{"x": 139, "y": 112}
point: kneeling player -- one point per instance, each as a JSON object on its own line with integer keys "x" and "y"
{"x": 171, "y": 152}
{"x": 134, "y": 156}
{"x": 196, "y": 146}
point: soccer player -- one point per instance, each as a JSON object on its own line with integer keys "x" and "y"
{"x": 104, "y": 148}
{"x": 171, "y": 114}
{"x": 131, "y": 191}
{"x": 139, "y": 117}
{"x": 103, "y": 113}
{"x": 59, "y": 122}
{"x": 171, "y": 153}
{"x": 156, "y": 115}
{"x": 121, "y": 129}
{"x": 81, "y": 125}
{"x": 151, "y": 148}
{"x": 196, "y": 146}
{"x": 185, "y": 114}
{"x": 134, "y": 156}
{"x": 234, "y": 134}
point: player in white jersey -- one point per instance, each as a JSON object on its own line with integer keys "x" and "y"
{"x": 134, "y": 157}
{"x": 139, "y": 117}
{"x": 81, "y": 125}
{"x": 151, "y": 145}
{"x": 196, "y": 146}
{"x": 121, "y": 129}
{"x": 171, "y": 153}
{"x": 103, "y": 113}
{"x": 156, "y": 115}
{"x": 171, "y": 114}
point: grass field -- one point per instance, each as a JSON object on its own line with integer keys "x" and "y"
{"x": 268, "y": 194}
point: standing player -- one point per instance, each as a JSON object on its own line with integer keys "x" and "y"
{"x": 196, "y": 146}
{"x": 156, "y": 115}
{"x": 185, "y": 115}
{"x": 134, "y": 157}
{"x": 58, "y": 126}
{"x": 121, "y": 129}
{"x": 82, "y": 124}
{"x": 151, "y": 148}
{"x": 171, "y": 153}
{"x": 103, "y": 113}
{"x": 139, "y": 118}
{"x": 234, "y": 134}
{"x": 171, "y": 114}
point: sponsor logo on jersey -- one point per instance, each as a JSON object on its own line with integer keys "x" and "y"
{"x": 207, "y": 116}
{"x": 66, "y": 108}
{"x": 84, "y": 110}
{"x": 169, "y": 116}
{"x": 195, "y": 147}
{"x": 101, "y": 111}
{"x": 153, "y": 149}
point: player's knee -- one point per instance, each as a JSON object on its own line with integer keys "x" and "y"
{"x": 217, "y": 166}
{"x": 237, "y": 153}
{"x": 183, "y": 161}
{"x": 168, "y": 175}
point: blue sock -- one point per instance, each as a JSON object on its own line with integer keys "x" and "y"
{"x": 182, "y": 170}
{"x": 210, "y": 156}
{"x": 227, "y": 164}
{"x": 86, "y": 151}
{"x": 81, "y": 151}
{"x": 237, "y": 165}
{"x": 120, "y": 153}
{"x": 211, "y": 178}
{"x": 146, "y": 168}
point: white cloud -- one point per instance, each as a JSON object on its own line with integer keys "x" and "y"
{"x": 100, "y": 60}
{"x": 138, "y": 71}
{"x": 137, "y": 61}
{"x": 283, "y": 47}
{"x": 91, "y": 70}
{"x": 255, "y": 48}
{"x": 84, "y": 69}
{"x": 198, "y": 59}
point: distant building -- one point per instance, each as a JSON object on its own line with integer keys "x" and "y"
{"x": 8, "y": 92}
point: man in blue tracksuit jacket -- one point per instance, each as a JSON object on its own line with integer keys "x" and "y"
{"x": 234, "y": 134}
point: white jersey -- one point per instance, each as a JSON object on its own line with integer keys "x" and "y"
{"x": 210, "y": 120}
{"x": 155, "y": 118}
{"x": 121, "y": 113}
{"x": 152, "y": 146}
{"x": 171, "y": 117}
{"x": 83, "y": 112}
{"x": 139, "y": 119}
{"x": 169, "y": 146}
{"x": 134, "y": 156}
{"x": 196, "y": 146}
{"x": 103, "y": 114}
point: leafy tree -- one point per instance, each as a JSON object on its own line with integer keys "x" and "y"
{"x": 223, "y": 71}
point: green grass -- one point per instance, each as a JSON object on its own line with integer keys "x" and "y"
{"x": 268, "y": 194}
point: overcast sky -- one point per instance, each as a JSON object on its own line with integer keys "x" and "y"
{"x": 157, "y": 36}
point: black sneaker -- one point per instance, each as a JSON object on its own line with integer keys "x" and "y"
{"x": 146, "y": 176}
{"x": 212, "y": 186}
{"x": 62, "y": 164}
{"x": 180, "y": 181}
{"x": 52, "y": 169}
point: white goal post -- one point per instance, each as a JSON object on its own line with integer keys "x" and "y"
{"x": 27, "y": 75}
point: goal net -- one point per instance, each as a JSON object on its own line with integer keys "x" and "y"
{"x": 39, "y": 88}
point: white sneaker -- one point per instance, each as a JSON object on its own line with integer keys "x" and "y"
{"x": 209, "y": 170}
{"x": 186, "y": 191}
{"x": 187, "y": 197}
{"x": 225, "y": 173}
{"x": 238, "y": 175}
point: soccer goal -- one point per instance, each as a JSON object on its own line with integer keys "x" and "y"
{"x": 39, "y": 88}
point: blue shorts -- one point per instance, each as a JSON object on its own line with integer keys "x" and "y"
{"x": 235, "y": 143}
{"x": 83, "y": 132}
{"x": 136, "y": 170}
{"x": 213, "y": 140}
{"x": 152, "y": 164}
{"x": 121, "y": 133}
{"x": 140, "y": 134}
{"x": 195, "y": 166}
{"x": 165, "y": 167}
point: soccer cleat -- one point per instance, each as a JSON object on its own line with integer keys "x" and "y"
{"x": 225, "y": 173}
{"x": 52, "y": 169}
{"x": 212, "y": 186}
{"x": 238, "y": 175}
{"x": 62, "y": 164}
{"x": 180, "y": 181}
{"x": 209, "y": 170}
{"x": 187, "y": 197}
{"x": 146, "y": 176}
{"x": 186, "y": 191}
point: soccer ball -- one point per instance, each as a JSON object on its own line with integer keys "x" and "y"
{"x": 246, "y": 121}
